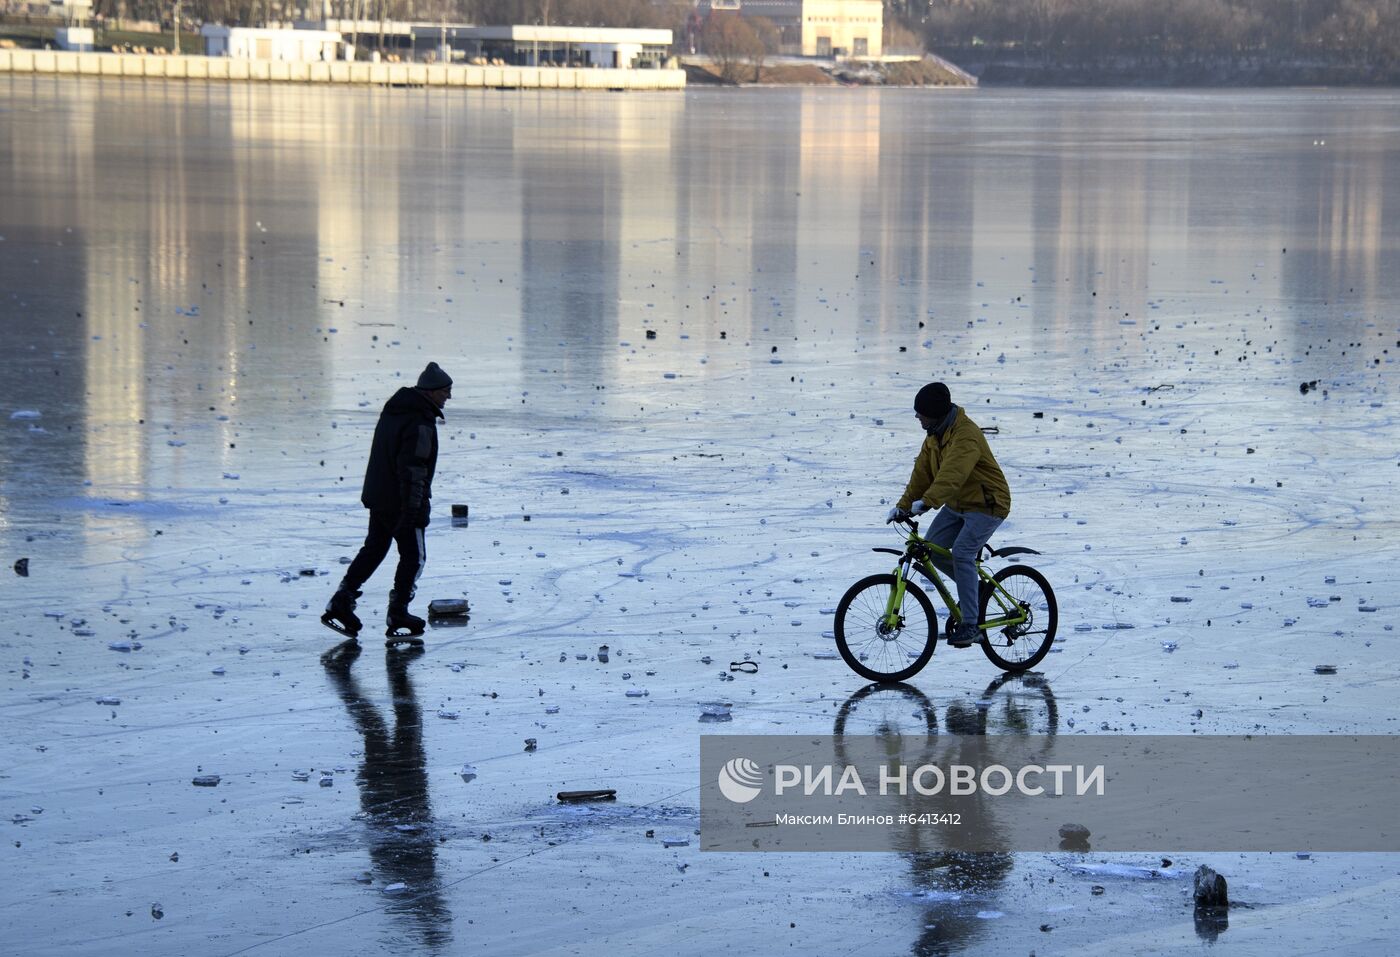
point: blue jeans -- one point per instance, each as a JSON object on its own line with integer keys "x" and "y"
{"x": 964, "y": 534}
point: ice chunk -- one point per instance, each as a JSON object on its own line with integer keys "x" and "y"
{"x": 1129, "y": 871}
{"x": 716, "y": 709}
{"x": 637, "y": 692}
{"x": 449, "y": 715}
{"x": 206, "y": 781}
{"x": 109, "y": 700}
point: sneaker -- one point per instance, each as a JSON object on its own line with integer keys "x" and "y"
{"x": 965, "y": 636}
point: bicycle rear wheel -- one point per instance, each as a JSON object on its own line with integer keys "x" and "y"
{"x": 1019, "y": 647}
{"x": 874, "y": 649}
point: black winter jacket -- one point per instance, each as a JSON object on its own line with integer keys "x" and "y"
{"x": 403, "y": 458}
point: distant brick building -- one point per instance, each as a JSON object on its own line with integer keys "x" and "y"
{"x": 815, "y": 27}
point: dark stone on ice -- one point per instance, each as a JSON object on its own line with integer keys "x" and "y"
{"x": 1210, "y": 889}
{"x": 22, "y": 568}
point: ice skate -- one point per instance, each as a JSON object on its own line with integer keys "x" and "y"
{"x": 340, "y": 614}
{"x": 402, "y": 628}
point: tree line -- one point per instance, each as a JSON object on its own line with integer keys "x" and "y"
{"x": 1068, "y": 29}
{"x": 1060, "y": 29}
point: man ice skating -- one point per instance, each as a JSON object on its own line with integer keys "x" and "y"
{"x": 398, "y": 494}
{"x": 956, "y": 474}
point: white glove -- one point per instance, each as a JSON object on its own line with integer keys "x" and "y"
{"x": 918, "y": 507}
{"x": 896, "y": 514}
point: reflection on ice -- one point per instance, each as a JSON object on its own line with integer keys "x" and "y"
{"x": 393, "y": 784}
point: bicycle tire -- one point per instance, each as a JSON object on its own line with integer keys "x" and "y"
{"x": 891, "y": 648}
{"x": 1043, "y": 622}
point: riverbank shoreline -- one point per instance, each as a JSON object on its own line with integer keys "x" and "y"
{"x": 927, "y": 71}
{"x": 1034, "y": 69}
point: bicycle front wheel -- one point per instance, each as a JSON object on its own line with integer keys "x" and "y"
{"x": 881, "y": 650}
{"x": 1022, "y": 646}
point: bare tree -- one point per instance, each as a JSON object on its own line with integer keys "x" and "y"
{"x": 730, "y": 42}
{"x": 769, "y": 37}
{"x": 900, "y": 39}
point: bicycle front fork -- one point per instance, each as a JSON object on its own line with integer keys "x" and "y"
{"x": 892, "y": 618}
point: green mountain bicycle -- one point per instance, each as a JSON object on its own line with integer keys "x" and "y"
{"x": 886, "y": 628}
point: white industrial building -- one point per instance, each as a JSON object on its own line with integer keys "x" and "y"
{"x": 821, "y": 28}
{"x": 271, "y": 43}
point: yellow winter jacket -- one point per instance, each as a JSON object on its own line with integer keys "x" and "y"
{"x": 959, "y": 471}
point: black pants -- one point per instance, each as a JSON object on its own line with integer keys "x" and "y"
{"x": 413, "y": 555}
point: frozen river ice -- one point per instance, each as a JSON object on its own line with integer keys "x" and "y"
{"x": 207, "y": 292}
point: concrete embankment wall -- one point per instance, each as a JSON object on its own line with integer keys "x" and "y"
{"x": 66, "y": 63}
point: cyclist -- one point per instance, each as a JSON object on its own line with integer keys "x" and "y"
{"x": 955, "y": 473}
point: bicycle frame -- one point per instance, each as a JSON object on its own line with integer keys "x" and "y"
{"x": 917, "y": 554}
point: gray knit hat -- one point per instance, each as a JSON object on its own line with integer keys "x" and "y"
{"x": 434, "y": 378}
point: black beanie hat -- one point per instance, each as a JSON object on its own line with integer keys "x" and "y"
{"x": 933, "y": 401}
{"x": 434, "y": 378}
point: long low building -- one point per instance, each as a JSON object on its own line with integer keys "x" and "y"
{"x": 520, "y": 45}
{"x": 528, "y": 45}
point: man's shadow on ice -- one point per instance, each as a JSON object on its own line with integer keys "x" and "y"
{"x": 393, "y": 783}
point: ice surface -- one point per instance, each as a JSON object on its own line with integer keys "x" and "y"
{"x": 705, "y": 513}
